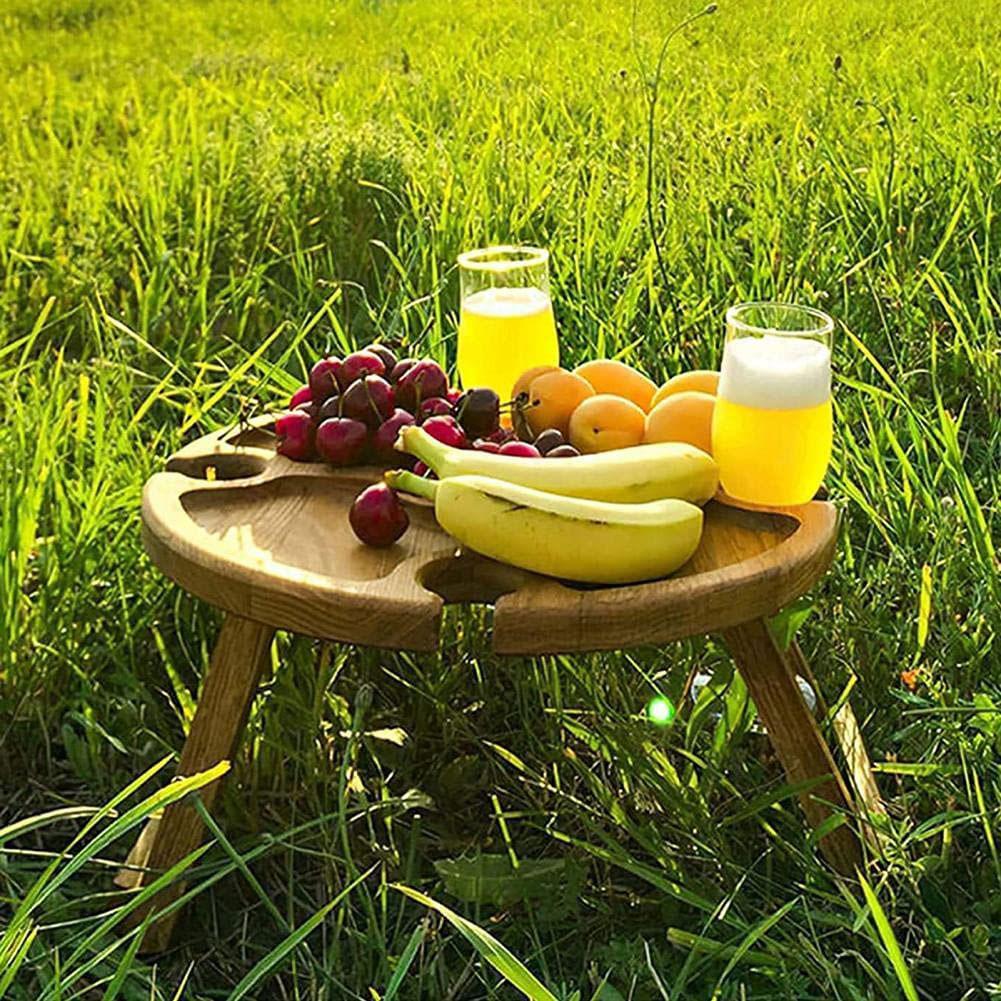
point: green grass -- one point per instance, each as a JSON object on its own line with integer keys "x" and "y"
{"x": 197, "y": 198}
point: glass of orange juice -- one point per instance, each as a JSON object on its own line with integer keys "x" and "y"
{"x": 506, "y": 320}
{"x": 772, "y": 424}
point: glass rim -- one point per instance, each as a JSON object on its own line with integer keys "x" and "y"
{"x": 823, "y": 327}
{"x": 494, "y": 259}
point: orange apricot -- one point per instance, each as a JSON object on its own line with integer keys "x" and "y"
{"x": 684, "y": 416}
{"x": 699, "y": 380}
{"x": 520, "y": 390}
{"x": 618, "y": 379}
{"x": 605, "y": 422}
{"x": 552, "y": 397}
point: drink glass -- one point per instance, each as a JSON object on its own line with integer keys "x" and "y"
{"x": 505, "y": 316}
{"x": 772, "y": 424}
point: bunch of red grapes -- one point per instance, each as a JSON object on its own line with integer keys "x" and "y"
{"x": 353, "y": 409}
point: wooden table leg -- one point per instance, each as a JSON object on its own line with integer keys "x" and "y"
{"x": 795, "y": 735}
{"x": 240, "y": 655}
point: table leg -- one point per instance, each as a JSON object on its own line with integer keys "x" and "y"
{"x": 240, "y": 656}
{"x": 796, "y": 737}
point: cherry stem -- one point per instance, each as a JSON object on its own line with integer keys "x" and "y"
{"x": 411, "y": 483}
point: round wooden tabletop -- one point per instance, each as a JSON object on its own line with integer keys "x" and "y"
{"x": 256, "y": 534}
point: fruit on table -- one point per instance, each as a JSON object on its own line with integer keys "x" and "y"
{"x": 526, "y": 377}
{"x": 369, "y": 400}
{"x": 302, "y": 395}
{"x": 522, "y": 448}
{"x": 433, "y": 406}
{"x": 548, "y": 440}
{"x": 549, "y": 401}
{"x": 358, "y": 365}
{"x": 478, "y": 411}
{"x": 562, "y": 452}
{"x": 385, "y": 435}
{"x": 341, "y": 440}
{"x": 700, "y": 381}
{"x": 377, "y": 516}
{"x": 331, "y": 407}
{"x": 446, "y": 430}
{"x": 606, "y": 422}
{"x": 684, "y": 416}
{"x": 618, "y": 379}
{"x": 325, "y": 378}
{"x": 631, "y": 475}
{"x": 295, "y": 435}
{"x": 567, "y": 537}
{"x": 422, "y": 380}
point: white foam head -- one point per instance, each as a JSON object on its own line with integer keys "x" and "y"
{"x": 504, "y": 302}
{"x": 776, "y": 372}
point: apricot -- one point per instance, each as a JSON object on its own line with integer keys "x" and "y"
{"x": 520, "y": 389}
{"x": 684, "y": 416}
{"x": 552, "y": 398}
{"x": 699, "y": 380}
{"x": 605, "y": 422}
{"x": 618, "y": 379}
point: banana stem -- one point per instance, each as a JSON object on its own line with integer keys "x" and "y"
{"x": 411, "y": 483}
{"x": 421, "y": 445}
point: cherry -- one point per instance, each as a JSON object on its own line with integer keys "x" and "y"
{"x": 341, "y": 441}
{"x": 432, "y": 406}
{"x": 453, "y": 396}
{"x": 501, "y": 435}
{"x": 377, "y": 516}
{"x": 400, "y": 368}
{"x": 294, "y": 431}
{"x": 423, "y": 469}
{"x": 446, "y": 430}
{"x": 478, "y": 411}
{"x": 422, "y": 380}
{"x": 369, "y": 400}
{"x": 387, "y": 433}
{"x": 302, "y": 395}
{"x": 562, "y": 452}
{"x": 549, "y": 439}
{"x": 482, "y": 445}
{"x": 386, "y": 354}
{"x": 522, "y": 448}
{"x": 358, "y": 365}
{"x": 331, "y": 407}
{"x": 325, "y": 378}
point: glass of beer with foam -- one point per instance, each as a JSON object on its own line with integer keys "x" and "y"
{"x": 505, "y": 316}
{"x": 772, "y": 424}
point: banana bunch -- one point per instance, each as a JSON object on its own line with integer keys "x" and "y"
{"x": 573, "y": 538}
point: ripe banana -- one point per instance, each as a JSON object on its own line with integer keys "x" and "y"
{"x": 627, "y": 476}
{"x": 567, "y": 537}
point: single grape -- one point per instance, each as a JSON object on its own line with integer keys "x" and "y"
{"x": 377, "y": 516}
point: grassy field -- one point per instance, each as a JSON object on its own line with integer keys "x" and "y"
{"x": 196, "y": 198}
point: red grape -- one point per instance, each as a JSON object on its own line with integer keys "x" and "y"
{"x": 522, "y": 448}
{"x": 325, "y": 378}
{"x": 387, "y": 433}
{"x": 377, "y": 516}
{"x": 446, "y": 430}
{"x": 358, "y": 365}
{"x": 294, "y": 431}
{"x": 341, "y": 441}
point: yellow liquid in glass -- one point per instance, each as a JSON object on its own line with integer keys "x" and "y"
{"x": 502, "y": 332}
{"x": 771, "y": 456}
